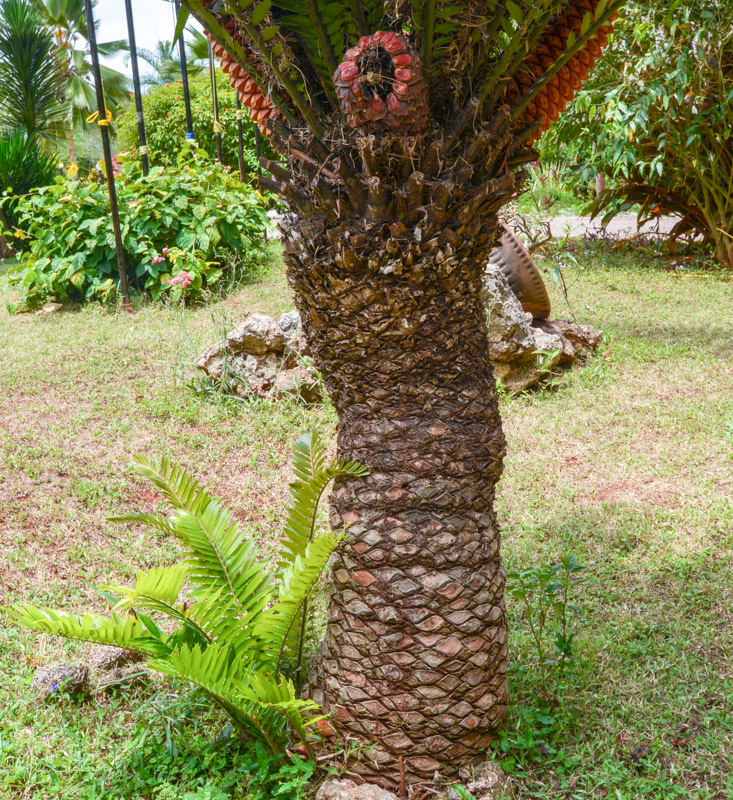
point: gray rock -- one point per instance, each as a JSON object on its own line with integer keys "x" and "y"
{"x": 490, "y": 782}
{"x": 583, "y": 338}
{"x": 290, "y": 322}
{"x": 257, "y": 334}
{"x": 515, "y": 338}
{"x": 348, "y": 790}
{"x": 265, "y": 358}
{"x": 510, "y": 333}
{"x": 548, "y": 343}
{"x": 60, "y": 676}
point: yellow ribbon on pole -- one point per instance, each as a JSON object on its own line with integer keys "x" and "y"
{"x": 107, "y": 113}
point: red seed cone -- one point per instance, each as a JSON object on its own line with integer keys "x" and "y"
{"x": 253, "y": 98}
{"x": 380, "y": 85}
{"x": 554, "y": 98}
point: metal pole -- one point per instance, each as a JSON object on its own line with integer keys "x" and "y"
{"x": 240, "y": 138}
{"x": 136, "y": 86}
{"x": 215, "y": 101}
{"x": 104, "y": 128}
{"x": 184, "y": 77}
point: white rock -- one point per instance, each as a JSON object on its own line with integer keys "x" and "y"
{"x": 348, "y": 790}
{"x": 257, "y": 334}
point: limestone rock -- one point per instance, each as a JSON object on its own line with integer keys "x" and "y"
{"x": 348, "y": 790}
{"x": 49, "y": 308}
{"x": 548, "y": 343}
{"x": 510, "y": 334}
{"x": 300, "y": 382}
{"x": 515, "y": 337}
{"x": 583, "y": 338}
{"x": 490, "y": 782}
{"x": 60, "y": 676}
{"x": 266, "y": 358}
{"x": 257, "y": 334}
{"x": 289, "y": 323}
{"x": 263, "y": 358}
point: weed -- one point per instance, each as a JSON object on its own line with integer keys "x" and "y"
{"x": 546, "y": 594}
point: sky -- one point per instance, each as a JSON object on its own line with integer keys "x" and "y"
{"x": 153, "y": 21}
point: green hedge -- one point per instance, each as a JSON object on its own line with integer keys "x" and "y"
{"x": 185, "y": 228}
{"x": 165, "y": 123}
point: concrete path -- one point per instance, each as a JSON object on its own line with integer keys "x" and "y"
{"x": 620, "y": 227}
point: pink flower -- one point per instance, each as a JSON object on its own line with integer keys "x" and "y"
{"x": 165, "y": 251}
{"x": 183, "y": 277}
{"x": 157, "y": 259}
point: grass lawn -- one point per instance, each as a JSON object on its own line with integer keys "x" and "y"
{"x": 628, "y": 465}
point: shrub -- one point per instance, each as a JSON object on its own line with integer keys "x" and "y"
{"x": 182, "y": 228}
{"x": 24, "y": 165}
{"x": 165, "y": 123}
{"x": 657, "y": 118}
{"x": 241, "y": 638}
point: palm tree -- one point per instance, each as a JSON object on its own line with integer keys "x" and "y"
{"x": 166, "y": 64}
{"x": 403, "y": 127}
{"x": 30, "y": 75}
{"x": 67, "y": 19}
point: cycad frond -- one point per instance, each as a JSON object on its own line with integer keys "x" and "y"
{"x": 161, "y": 585}
{"x": 128, "y": 633}
{"x": 180, "y": 488}
{"x": 221, "y": 559}
{"x": 227, "y": 678}
{"x": 281, "y": 628}
{"x": 314, "y": 476}
{"x": 265, "y": 694}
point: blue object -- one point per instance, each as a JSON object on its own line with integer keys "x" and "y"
{"x": 190, "y": 136}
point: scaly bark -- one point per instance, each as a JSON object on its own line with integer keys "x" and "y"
{"x": 415, "y": 653}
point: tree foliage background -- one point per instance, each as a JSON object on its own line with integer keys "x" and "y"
{"x": 657, "y": 118}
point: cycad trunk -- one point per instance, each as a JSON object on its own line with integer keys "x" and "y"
{"x": 415, "y": 653}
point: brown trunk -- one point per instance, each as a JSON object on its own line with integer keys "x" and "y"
{"x": 724, "y": 249}
{"x": 5, "y": 249}
{"x": 600, "y": 184}
{"x": 70, "y": 143}
{"x": 415, "y": 653}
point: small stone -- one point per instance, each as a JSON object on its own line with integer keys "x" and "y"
{"x": 49, "y": 308}
{"x": 348, "y": 790}
{"x": 290, "y": 322}
{"x": 490, "y": 782}
{"x": 59, "y": 676}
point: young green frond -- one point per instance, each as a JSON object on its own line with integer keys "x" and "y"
{"x": 280, "y": 627}
{"x": 180, "y": 489}
{"x": 128, "y": 633}
{"x": 226, "y": 677}
{"x": 242, "y": 637}
{"x": 314, "y": 476}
